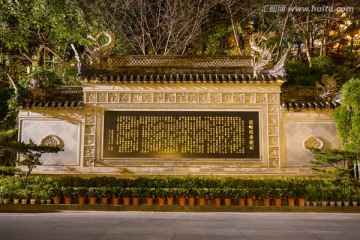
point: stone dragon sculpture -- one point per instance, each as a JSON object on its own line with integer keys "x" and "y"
{"x": 260, "y": 52}
{"x": 99, "y": 52}
{"x": 264, "y": 55}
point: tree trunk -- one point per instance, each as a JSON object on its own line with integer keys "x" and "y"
{"x": 234, "y": 28}
{"x": 307, "y": 42}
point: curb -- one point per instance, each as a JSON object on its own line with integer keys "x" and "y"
{"x": 175, "y": 208}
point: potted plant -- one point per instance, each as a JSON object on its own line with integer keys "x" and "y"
{"x": 301, "y": 195}
{"x": 228, "y": 194}
{"x": 137, "y": 193}
{"x": 264, "y": 192}
{"x": 217, "y": 194}
{"x": 81, "y": 193}
{"x": 202, "y": 193}
{"x": 240, "y": 195}
{"x": 104, "y": 193}
{"x": 148, "y": 193}
{"x": 10, "y": 188}
{"x": 182, "y": 193}
{"x": 356, "y": 199}
{"x": 161, "y": 194}
{"x": 56, "y": 194}
{"x": 45, "y": 195}
{"x": 170, "y": 196}
{"x": 192, "y": 194}
{"x": 4, "y": 195}
{"x": 277, "y": 193}
{"x": 291, "y": 195}
{"x": 25, "y": 194}
{"x": 68, "y": 193}
{"x": 348, "y": 195}
{"x": 127, "y": 194}
{"x": 313, "y": 194}
{"x": 16, "y": 196}
{"x": 116, "y": 193}
{"x": 339, "y": 195}
{"x": 250, "y": 197}
{"x": 94, "y": 193}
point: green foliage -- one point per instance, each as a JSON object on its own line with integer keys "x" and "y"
{"x": 241, "y": 193}
{"x": 299, "y": 74}
{"x": 82, "y": 191}
{"x": 161, "y": 192}
{"x": 313, "y": 189}
{"x": 116, "y": 191}
{"x": 347, "y": 116}
{"x": 67, "y": 191}
{"x": 325, "y": 158}
{"x": 216, "y": 193}
{"x": 215, "y": 41}
{"x": 323, "y": 64}
{"x": 31, "y": 152}
{"x": 9, "y": 170}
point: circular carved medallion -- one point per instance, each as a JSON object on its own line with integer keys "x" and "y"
{"x": 313, "y": 142}
{"x": 52, "y": 140}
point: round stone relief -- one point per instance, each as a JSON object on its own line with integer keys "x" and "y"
{"x": 313, "y": 142}
{"x": 52, "y": 140}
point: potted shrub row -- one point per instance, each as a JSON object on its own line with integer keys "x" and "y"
{"x": 180, "y": 191}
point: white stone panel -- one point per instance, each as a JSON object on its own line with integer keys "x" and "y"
{"x": 298, "y": 132}
{"x": 38, "y": 129}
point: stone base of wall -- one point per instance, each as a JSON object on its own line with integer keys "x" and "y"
{"x": 158, "y": 171}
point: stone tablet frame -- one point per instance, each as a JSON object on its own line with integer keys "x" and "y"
{"x": 250, "y": 96}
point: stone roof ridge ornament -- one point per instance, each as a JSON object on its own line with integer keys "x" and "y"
{"x": 279, "y": 67}
{"x": 263, "y": 55}
{"x": 100, "y": 51}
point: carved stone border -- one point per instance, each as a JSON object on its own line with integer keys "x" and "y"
{"x": 89, "y": 136}
{"x": 273, "y": 127}
{"x": 265, "y": 99}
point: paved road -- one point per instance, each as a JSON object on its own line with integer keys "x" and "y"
{"x": 68, "y": 225}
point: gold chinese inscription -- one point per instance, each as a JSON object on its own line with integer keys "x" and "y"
{"x": 176, "y": 134}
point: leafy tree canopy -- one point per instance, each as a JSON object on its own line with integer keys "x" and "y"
{"x": 347, "y": 116}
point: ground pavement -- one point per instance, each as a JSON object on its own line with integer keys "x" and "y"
{"x": 101, "y": 225}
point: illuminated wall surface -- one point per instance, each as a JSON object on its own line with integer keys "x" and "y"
{"x": 179, "y": 134}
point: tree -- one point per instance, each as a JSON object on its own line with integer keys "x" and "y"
{"x": 347, "y": 117}
{"x": 336, "y": 159}
{"x": 155, "y": 27}
{"x": 36, "y": 35}
{"x": 30, "y": 152}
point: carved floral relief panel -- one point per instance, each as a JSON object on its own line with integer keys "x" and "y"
{"x": 101, "y": 97}
{"x": 113, "y": 97}
{"x": 90, "y": 97}
{"x": 239, "y": 97}
{"x": 204, "y": 97}
{"x": 159, "y": 97}
{"x": 124, "y": 97}
{"x": 147, "y": 97}
{"x": 227, "y": 98}
{"x": 215, "y": 97}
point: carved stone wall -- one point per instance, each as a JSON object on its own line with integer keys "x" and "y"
{"x": 261, "y": 97}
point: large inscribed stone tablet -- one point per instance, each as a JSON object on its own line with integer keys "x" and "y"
{"x": 181, "y": 134}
